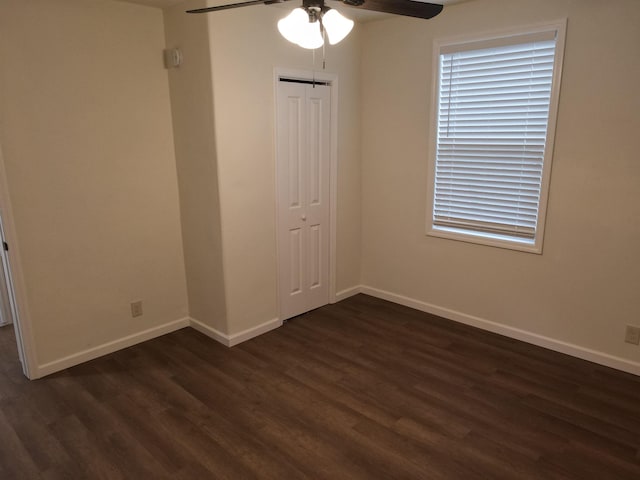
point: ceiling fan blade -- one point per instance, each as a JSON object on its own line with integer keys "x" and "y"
{"x": 234, "y": 5}
{"x": 408, "y": 8}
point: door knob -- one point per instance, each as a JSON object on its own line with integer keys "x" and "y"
{"x": 304, "y": 218}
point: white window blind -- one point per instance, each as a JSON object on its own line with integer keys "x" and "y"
{"x": 493, "y": 112}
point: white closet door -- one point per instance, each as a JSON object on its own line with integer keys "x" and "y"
{"x": 303, "y": 166}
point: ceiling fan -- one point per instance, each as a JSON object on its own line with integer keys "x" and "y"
{"x": 308, "y": 25}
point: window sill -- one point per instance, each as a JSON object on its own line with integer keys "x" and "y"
{"x": 488, "y": 239}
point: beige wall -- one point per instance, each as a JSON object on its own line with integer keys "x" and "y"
{"x": 196, "y": 161}
{"x": 585, "y": 287}
{"x": 85, "y": 128}
{"x": 246, "y": 47}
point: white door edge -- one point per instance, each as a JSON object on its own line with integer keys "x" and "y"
{"x": 21, "y": 319}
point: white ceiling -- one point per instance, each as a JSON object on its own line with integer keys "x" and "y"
{"x": 356, "y": 14}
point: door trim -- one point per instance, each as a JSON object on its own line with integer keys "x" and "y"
{"x": 332, "y": 80}
{"x": 22, "y": 320}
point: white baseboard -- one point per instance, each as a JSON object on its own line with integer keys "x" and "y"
{"x": 115, "y": 345}
{"x": 346, "y": 293}
{"x": 595, "y": 356}
{"x": 109, "y": 347}
{"x": 252, "y": 332}
{"x": 210, "y": 332}
{"x": 236, "y": 338}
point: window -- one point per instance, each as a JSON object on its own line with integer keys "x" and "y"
{"x": 496, "y": 103}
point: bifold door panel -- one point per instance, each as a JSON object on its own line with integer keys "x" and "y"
{"x": 303, "y": 167}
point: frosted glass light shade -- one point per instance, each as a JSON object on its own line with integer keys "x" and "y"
{"x": 289, "y": 26}
{"x": 310, "y": 36}
{"x": 336, "y": 26}
{"x": 296, "y": 28}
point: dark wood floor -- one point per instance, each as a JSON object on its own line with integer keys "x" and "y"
{"x": 364, "y": 389}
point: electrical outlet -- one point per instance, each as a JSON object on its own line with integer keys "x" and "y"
{"x": 136, "y": 308}
{"x": 632, "y": 334}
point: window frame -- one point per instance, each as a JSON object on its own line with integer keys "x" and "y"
{"x": 489, "y": 239}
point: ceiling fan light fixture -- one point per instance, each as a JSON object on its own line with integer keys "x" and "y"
{"x": 336, "y": 25}
{"x": 304, "y": 26}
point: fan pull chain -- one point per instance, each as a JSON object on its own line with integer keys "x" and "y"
{"x": 313, "y": 56}
{"x": 324, "y": 42}
{"x": 324, "y": 56}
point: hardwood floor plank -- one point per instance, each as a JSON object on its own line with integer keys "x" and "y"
{"x": 360, "y": 390}
{"x": 31, "y": 429}
{"x": 16, "y": 459}
{"x": 621, "y": 437}
{"x": 85, "y": 449}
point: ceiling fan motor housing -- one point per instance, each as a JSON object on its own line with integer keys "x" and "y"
{"x": 315, "y": 9}
{"x": 313, "y": 4}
